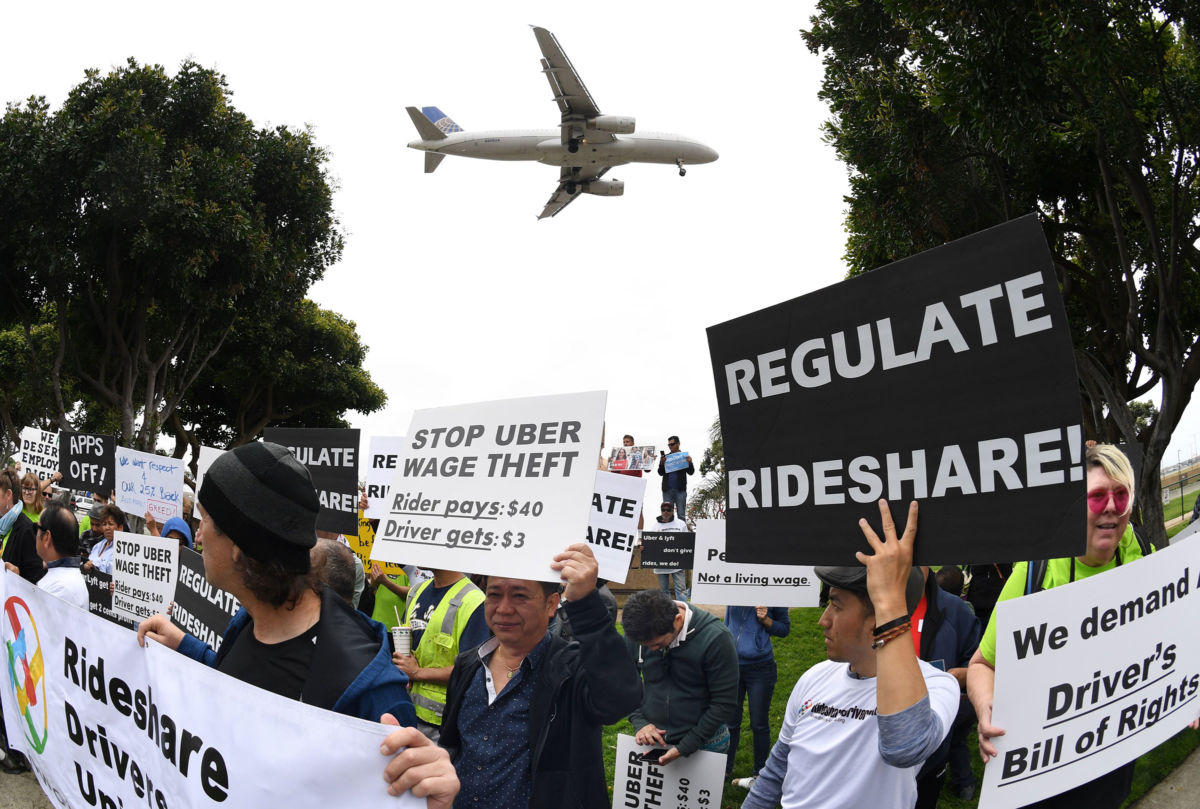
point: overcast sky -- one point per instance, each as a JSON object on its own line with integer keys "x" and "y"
{"x": 461, "y": 294}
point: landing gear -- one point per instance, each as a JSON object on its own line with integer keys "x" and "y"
{"x": 571, "y": 188}
{"x": 573, "y": 145}
{"x": 682, "y": 170}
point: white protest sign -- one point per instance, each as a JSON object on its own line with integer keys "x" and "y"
{"x": 106, "y": 723}
{"x": 144, "y": 574}
{"x": 203, "y": 461}
{"x": 149, "y": 483}
{"x": 496, "y": 487}
{"x": 39, "y": 452}
{"x": 694, "y": 782}
{"x": 1092, "y": 675}
{"x": 381, "y": 468}
{"x": 613, "y": 525}
{"x": 717, "y": 581}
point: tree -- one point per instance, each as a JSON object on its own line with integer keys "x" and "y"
{"x": 708, "y": 499}
{"x": 150, "y": 212}
{"x": 302, "y": 370}
{"x": 956, "y": 116}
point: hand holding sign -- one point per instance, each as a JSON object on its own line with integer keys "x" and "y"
{"x": 159, "y": 629}
{"x": 418, "y": 765}
{"x": 578, "y": 567}
{"x": 888, "y": 568}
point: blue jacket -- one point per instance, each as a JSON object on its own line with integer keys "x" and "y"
{"x": 753, "y": 640}
{"x": 352, "y": 671}
{"x": 950, "y": 634}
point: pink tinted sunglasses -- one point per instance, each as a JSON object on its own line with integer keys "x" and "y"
{"x": 1097, "y": 500}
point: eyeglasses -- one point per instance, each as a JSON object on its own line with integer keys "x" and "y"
{"x": 665, "y": 509}
{"x": 29, "y": 488}
{"x": 1097, "y": 500}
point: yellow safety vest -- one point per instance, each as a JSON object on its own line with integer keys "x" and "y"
{"x": 439, "y": 641}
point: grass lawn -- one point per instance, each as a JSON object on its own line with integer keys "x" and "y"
{"x": 805, "y": 647}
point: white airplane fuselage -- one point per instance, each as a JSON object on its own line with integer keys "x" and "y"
{"x": 545, "y": 146}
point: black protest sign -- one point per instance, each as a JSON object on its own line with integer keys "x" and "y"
{"x": 87, "y": 461}
{"x": 668, "y": 550}
{"x": 200, "y": 609}
{"x": 331, "y": 456}
{"x": 947, "y": 377}
{"x": 100, "y": 598}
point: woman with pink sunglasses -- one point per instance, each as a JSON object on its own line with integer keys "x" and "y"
{"x": 1110, "y": 542}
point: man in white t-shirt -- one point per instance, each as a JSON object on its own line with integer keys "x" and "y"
{"x": 57, "y": 539}
{"x": 859, "y": 725}
{"x": 668, "y": 522}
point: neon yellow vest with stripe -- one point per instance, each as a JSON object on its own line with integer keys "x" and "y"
{"x": 439, "y": 642}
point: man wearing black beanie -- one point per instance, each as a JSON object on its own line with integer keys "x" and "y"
{"x": 292, "y": 636}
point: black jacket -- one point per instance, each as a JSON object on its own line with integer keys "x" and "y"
{"x": 21, "y": 549}
{"x": 581, "y": 686}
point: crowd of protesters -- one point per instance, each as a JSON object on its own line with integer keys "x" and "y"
{"x": 500, "y": 687}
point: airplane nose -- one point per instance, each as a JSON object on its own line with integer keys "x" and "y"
{"x": 708, "y": 155}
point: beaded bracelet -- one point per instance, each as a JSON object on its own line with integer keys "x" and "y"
{"x": 891, "y": 634}
{"x": 879, "y": 630}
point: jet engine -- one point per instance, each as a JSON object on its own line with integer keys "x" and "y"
{"x": 616, "y": 124}
{"x": 604, "y": 188}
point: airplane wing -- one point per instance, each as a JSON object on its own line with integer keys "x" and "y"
{"x": 573, "y": 99}
{"x": 561, "y": 197}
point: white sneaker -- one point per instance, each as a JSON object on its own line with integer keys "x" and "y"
{"x": 745, "y": 783}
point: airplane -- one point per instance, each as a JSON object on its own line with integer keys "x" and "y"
{"x": 586, "y": 145}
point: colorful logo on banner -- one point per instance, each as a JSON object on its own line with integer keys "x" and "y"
{"x": 26, "y": 671}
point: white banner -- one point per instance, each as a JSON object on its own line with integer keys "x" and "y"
{"x": 381, "y": 468}
{"x": 496, "y": 487}
{"x": 149, "y": 483}
{"x": 39, "y": 452}
{"x": 717, "y": 581}
{"x": 613, "y": 524}
{"x": 694, "y": 782}
{"x": 1093, "y": 674}
{"x": 106, "y": 723}
{"x": 203, "y": 461}
{"x": 145, "y": 570}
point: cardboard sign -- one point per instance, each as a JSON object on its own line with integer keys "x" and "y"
{"x": 385, "y": 459}
{"x": 332, "y": 459}
{"x": 39, "y": 452}
{"x": 203, "y": 461}
{"x": 149, "y": 483}
{"x": 675, "y": 462}
{"x": 200, "y": 609}
{"x": 613, "y": 524}
{"x": 948, "y": 378}
{"x": 497, "y": 487}
{"x": 100, "y": 599}
{"x": 144, "y": 572}
{"x": 668, "y": 550}
{"x": 694, "y": 782}
{"x": 87, "y": 461}
{"x": 641, "y": 459}
{"x": 106, "y": 723}
{"x": 715, "y": 580}
{"x": 1093, "y": 674}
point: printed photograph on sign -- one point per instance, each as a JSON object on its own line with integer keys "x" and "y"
{"x": 919, "y": 380}
{"x": 495, "y": 487}
{"x": 716, "y": 580}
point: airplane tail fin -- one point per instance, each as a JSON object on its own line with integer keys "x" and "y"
{"x": 425, "y": 127}
{"x": 441, "y": 120}
{"x": 432, "y": 160}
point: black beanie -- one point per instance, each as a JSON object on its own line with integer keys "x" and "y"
{"x": 263, "y": 499}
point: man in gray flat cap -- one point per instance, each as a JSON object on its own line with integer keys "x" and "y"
{"x": 293, "y": 636}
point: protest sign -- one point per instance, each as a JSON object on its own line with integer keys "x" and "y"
{"x": 715, "y": 580}
{"x": 1091, "y": 675}
{"x": 921, "y": 380}
{"x": 144, "y": 572}
{"x": 613, "y": 524}
{"x": 331, "y": 456}
{"x": 106, "y": 723}
{"x": 203, "y": 461}
{"x": 668, "y": 550}
{"x": 149, "y": 484}
{"x": 39, "y": 452}
{"x": 694, "y": 782}
{"x": 200, "y": 609}
{"x": 100, "y": 586}
{"x": 362, "y": 543}
{"x": 86, "y": 461}
{"x": 496, "y": 487}
{"x": 385, "y": 458}
{"x": 675, "y": 462}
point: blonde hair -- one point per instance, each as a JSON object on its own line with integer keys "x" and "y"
{"x": 1115, "y": 464}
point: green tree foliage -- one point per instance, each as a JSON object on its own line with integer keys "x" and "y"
{"x": 24, "y": 399}
{"x": 150, "y": 212}
{"x": 302, "y": 370}
{"x": 708, "y": 498}
{"x": 955, "y": 116}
